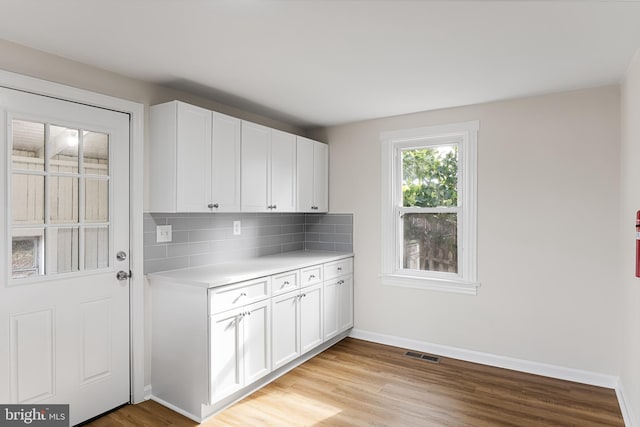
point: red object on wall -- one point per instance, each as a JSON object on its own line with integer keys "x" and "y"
{"x": 638, "y": 244}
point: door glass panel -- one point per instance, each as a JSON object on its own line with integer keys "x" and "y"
{"x": 26, "y": 253}
{"x": 27, "y": 199}
{"x": 96, "y": 200}
{"x": 95, "y": 153}
{"x": 96, "y": 248}
{"x": 58, "y": 209}
{"x": 62, "y": 250}
{"x": 63, "y": 149}
{"x": 63, "y": 199}
{"x": 27, "y": 149}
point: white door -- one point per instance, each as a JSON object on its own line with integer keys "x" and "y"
{"x": 225, "y": 164}
{"x": 283, "y": 171}
{"x": 64, "y": 316}
{"x": 285, "y": 331}
{"x": 225, "y": 353}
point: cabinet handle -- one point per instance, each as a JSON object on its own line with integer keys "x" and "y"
{"x": 339, "y": 268}
{"x": 213, "y": 205}
{"x": 243, "y": 294}
{"x": 314, "y": 207}
{"x": 285, "y": 283}
{"x": 312, "y": 277}
{"x": 340, "y": 282}
{"x": 272, "y": 207}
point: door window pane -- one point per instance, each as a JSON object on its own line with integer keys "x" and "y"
{"x": 63, "y": 199}
{"x": 430, "y": 177}
{"x": 62, "y": 250}
{"x": 27, "y": 199}
{"x": 430, "y": 242}
{"x": 27, "y": 145}
{"x": 25, "y": 254}
{"x": 63, "y": 149}
{"x": 95, "y": 153}
{"x": 96, "y": 248}
{"x": 96, "y": 208}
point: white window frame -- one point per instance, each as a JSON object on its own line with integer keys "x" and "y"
{"x": 465, "y": 135}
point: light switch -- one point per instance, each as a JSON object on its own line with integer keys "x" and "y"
{"x": 237, "y": 230}
{"x": 163, "y": 233}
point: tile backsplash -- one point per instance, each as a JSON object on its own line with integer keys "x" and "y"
{"x": 204, "y": 238}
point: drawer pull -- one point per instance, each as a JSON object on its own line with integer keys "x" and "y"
{"x": 285, "y": 283}
{"x": 339, "y": 268}
{"x": 312, "y": 277}
{"x": 244, "y": 294}
{"x": 340, "y": 282}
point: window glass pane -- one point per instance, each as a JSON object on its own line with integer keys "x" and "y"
{"x": 430, "y": 242}
{"x": 430, "y": 176}
{"x": 96, "y": 247}
{"x": 63, "y": 149}
{"x": 63, "y": 199}
{"x": 62, "y": 250}
{"x": 96, "y": 200}
{"x": 95, "y": 153}
{"x": 27, "y": 149}
{"x": 27, "y": 199}
{"x": 26, "y": 253}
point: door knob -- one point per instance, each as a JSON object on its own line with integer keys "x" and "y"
{"x": 123, "y": 275}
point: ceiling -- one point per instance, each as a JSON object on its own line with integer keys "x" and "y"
{"x": 326, "y": 62}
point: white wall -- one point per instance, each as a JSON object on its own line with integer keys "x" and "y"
{"x": 630, "y": 203}
{"x": 30, "y": 62}
{"x": 547, "y": 232}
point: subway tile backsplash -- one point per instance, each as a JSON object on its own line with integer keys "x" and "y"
{"x": 203, "y": 238}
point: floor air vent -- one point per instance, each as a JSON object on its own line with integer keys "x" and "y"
{"x": 427, "y": 357}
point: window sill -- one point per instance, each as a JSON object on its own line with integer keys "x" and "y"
{"x": 443, "y": 285}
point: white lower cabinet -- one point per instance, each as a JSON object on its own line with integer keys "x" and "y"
{"x": 240, "y": 348}
{"x": 297, "y": 323}
{"x": 213, "y": 345}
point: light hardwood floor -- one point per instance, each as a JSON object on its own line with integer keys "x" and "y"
{"x": 358, "y": 383}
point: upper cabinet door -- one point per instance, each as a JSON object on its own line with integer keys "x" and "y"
{"x": 225, "y": 169}
{"x": 321, "y": 176}
{"x": 179, "y": 158}
{"x": 193, "y": 158}
{"x": 304, "y": 175}
{"x": 312, "y": 176}
{"x": 256, "y": 140}
{"x": 283, "y": 172}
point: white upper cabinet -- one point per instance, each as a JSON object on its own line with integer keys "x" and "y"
{"x": 194, "y": 160}
{"x": 312, "y": 176}
{"x": 225, "y": 169}
{"x": 268, "y": 161}
{"x": 204, "y": 161}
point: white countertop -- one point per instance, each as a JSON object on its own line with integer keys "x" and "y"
{"x": 211, "y": 276}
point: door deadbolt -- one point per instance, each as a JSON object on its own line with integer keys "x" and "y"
{"x": 121, "y": 256}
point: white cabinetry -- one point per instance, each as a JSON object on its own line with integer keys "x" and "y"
{"x": 268, "y": 169}
{"x": 338, "y": 297}
{"x": 194, "y": 160}
{"x": 297, "y": 323}
{"x": 213, "y": 344}
{"x": 240, "y": 347}
{"x": 312, "y": 175}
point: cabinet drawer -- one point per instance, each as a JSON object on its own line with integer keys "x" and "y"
{"x": 310, "y": 275}
{"x": 338, "y": 268}
{"x": 285, "y": 282}
{"x": 238, "y": 294}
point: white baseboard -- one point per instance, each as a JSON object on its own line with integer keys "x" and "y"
{"x": 147, "y": 392}
{"x": 537, "y": 368}
{"x": 175, "y": 408}
{"x": 626, "y": 414}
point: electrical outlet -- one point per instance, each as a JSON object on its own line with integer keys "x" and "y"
{"x": 237, "y": 230}
{"x": 163, "y": 233}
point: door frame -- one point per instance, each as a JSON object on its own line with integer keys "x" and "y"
{"x": 136, "y": 182}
